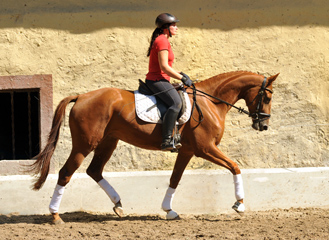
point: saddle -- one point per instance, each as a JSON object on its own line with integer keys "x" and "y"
{"x": 151, "y": 108}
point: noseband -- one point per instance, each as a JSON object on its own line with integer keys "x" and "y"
{"x": 257, "y": 116}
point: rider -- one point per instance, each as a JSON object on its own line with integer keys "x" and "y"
{"x": 161, "y": 58}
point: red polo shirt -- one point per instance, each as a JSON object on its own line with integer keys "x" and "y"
{"x": 155, "y": 72}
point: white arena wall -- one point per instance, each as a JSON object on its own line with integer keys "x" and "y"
{"x": 199, "y": 192}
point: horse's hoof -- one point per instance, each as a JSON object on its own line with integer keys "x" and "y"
{"x": 58, "y": 221}
{"x": 118, "y": 209}
{"x": 172, "y": 215}
{"x": 239, "y": 208}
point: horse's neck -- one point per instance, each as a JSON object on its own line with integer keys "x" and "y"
{"x": 229, "y": 88}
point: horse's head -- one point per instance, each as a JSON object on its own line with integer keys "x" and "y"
{"x": 259, "y": 100}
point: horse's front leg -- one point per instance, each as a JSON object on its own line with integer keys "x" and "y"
{"x": 182, "y": 160}
{"x": 239, "y": 194}
{"x": 214, "y": 155}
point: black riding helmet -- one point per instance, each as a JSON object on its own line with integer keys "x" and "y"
{"x": 164, "y": 20}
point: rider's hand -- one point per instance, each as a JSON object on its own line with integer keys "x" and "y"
{"x": 186, "y": 80}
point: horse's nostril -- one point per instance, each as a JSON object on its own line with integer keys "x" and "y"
{"x": 265, "y": 127}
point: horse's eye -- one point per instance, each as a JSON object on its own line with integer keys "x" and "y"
{"x": 267, "y": 100}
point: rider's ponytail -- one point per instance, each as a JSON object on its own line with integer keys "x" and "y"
{"x": 156, "y": 33}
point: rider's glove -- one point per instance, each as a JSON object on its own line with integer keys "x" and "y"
{"x": 186, "y": 80}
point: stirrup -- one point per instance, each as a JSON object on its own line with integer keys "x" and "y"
{"x": 167, "y": 145}
{"x": 170, "y": 145}
{"x": 176, "y": 148}
{"x": 176, "y": 139}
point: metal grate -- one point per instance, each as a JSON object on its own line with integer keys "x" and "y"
{"x": 19, "y": 124}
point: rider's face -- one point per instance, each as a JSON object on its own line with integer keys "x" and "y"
{"x": 173, "y": 29}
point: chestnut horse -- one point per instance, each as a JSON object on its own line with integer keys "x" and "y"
{"x": 99, "y": 119}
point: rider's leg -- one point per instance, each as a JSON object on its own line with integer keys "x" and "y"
{"x": 169, "y": 122}
{"x": 169, "y": 95}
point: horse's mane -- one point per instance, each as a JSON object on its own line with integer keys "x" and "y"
{"x": 231, "y": 74}
{"x": 222, "y": 80}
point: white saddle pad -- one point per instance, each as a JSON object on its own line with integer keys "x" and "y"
{"x": 147, "y": 110}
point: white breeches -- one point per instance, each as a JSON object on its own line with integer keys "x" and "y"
{"x": 238, "y": 186}
{"x": 110, "y": 191}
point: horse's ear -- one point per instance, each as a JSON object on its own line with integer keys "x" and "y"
{"x": 271, "y": 79}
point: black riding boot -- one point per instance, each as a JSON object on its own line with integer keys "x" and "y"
{"x": 169, "y": 122}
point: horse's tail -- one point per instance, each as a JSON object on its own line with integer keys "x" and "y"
{"x": 41, "y": 166}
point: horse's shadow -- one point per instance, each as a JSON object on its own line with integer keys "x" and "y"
{"x": 85, "y": 217}
{"x": 82, "y": 217}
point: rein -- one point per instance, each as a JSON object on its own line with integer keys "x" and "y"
{"x": 256, "y": 116}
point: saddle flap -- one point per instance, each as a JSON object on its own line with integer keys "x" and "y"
{"x": 151, "y": 109}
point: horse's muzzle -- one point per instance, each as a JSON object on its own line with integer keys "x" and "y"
{"x": 260, "y": 125}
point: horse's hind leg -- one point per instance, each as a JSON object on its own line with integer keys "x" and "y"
{"x": 72, "y": 164}
{"x": 102, "y": 154}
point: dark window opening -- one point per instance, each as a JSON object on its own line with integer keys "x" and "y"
{"x": 19, "y": 124}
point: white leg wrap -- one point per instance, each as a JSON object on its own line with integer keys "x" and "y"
{"x": 238, "y": 185}
{"x": 110, "y": 191}
{"x": 167, "y": 201}
{"x": 56, "y": 199}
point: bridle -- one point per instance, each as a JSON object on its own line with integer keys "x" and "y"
{"x": 257, "y": 116}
